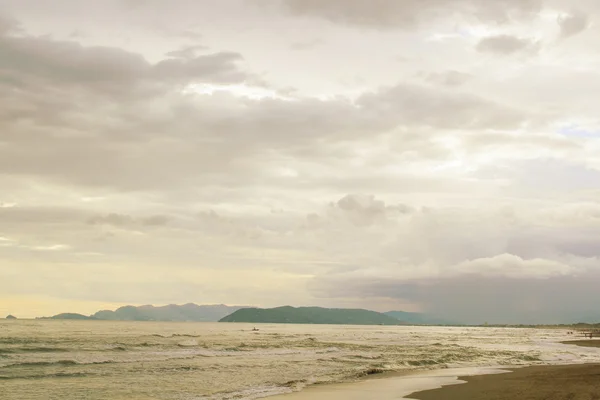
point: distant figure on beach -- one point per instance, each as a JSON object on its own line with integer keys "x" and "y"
{"x": 254, "y": 329}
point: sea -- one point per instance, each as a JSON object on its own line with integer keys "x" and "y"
{"x": 108, "y": 360}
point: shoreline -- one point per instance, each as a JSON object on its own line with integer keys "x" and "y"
{"x": 389, "y": 386}
{"x": 583, "y": 342}
{"x": 434, "y": 384}
{"x": 537, "y": 382}
{"x": 573, "y": 381}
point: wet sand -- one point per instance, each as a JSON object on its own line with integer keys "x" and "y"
{"x": 584, "y": 343}
{"x": 573, "y": 382}
{"x": 387, "y": 386}
{"x": 552, "y": 382}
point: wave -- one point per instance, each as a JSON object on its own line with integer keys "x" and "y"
{"x": 175, "y": 335}
{"x": 42, "y": 349}
{"x": 371, "y": 371}
{"x": 60, "y": 363}
{"x": 250, "y": 394}
{"x": 11, "y": 340}
{"x": 292, "y": 386}
{"x": 46, "y": 376}
{"x": 34, "y": 350}
{"x": 43, "y": 364}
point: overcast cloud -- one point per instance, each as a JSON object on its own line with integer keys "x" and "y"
{"x": 438, "y": 156}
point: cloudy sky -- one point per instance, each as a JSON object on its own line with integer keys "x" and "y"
{"x": 438, "y": 156}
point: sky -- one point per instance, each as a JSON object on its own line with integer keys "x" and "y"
{"x": 440, "y": 156}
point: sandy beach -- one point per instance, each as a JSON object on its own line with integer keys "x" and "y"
{"x": 584, "y": 343}
{"x": 574, "y": 382}
{"x": 388, "y": 386}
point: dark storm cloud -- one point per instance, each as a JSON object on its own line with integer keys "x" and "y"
{"x": 477, "y": 299}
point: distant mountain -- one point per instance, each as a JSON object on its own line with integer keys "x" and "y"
{"x": 310, "y": 315}
{"x": 11, "y": 317}
{"x": 211, "y": 313}
{"x": 70, "y": 316}
{"x": 187, "y": 312}
{"x": 416, "y": 318}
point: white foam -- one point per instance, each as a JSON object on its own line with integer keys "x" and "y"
{"x": 391, "y": 388}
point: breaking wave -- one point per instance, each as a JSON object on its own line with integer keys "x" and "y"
{"x": 47, "y": 376}
{"x": 60, "y": 363}
{"x": 15, "y": 350}
{"x": 200, "y": 359}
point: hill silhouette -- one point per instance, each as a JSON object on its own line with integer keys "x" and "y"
{"x": 172, "y": 312}
{"x": 70, "y": 316}
{"x": 311, "y": 315}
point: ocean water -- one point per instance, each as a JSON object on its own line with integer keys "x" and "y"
{"x": 189, "y": 361}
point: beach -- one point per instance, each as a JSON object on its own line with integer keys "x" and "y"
{"x": 574, "y": 382}
{"x": 388, "y": 386}
{"x": 546, "y": 382}
{"x": 583, "y": 343}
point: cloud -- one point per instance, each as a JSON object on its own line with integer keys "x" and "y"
{"x": 54, "y": 247}
{"x": 359, "y": 210}
{"x": 188, "y": 52}
{"x": 408, "y": 13}
{"x": 248, "y": 172}
{"x": 573, "y": 24}
{"x": 155, "y": 220}
{"x": 529, "y": 291}
{"x": 507, "y": 45}
{"x": 220, "y": 68}
{"x": 446, "y": 259}
{"x": 40, "y": 215}
{"x": 157, "y": 134}
{"x": 449, "y": 78}
{"x": 478, "y": 300}
{"x": 7, "y": 24}
{"x": 418, "y": 105}
{"x": 69, "y": 63}
{"x": 511, "y": 266}
{"x": 306, "y": 45}
{"x": 121, "y": 220}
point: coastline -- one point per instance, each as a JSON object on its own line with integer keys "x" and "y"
{"x": 200, "y": 359}
{"x": 575, "y": 380}
{"x": 583, "y": 342}
{"x": 541, "y": 382}
{"x": 389, "y": 386}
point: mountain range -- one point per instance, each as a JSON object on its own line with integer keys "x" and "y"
{"x": 311, "y": 315}
{"x": 169, "y": 313}
{"x": 212, "y": 313}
